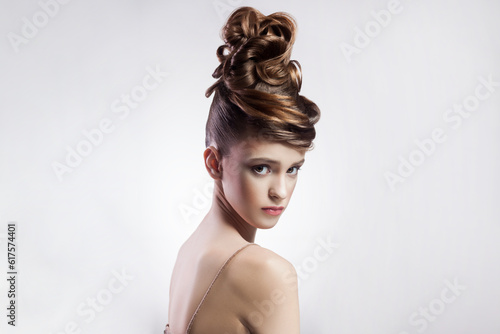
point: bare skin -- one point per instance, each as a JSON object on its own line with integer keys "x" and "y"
{"x": 257, "y": 292}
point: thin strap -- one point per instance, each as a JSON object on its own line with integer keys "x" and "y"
{"x": 211, "y": 284}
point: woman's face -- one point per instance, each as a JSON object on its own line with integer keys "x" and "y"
{"x": 258, "y": 178}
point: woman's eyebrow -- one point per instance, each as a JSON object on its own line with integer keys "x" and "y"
{"x": 275, "y": 162}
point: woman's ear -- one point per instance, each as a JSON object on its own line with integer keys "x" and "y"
{"x": 213, "y": 162}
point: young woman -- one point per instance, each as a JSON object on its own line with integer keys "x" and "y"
{"x": 258, "y": 131}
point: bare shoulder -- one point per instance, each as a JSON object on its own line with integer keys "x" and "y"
{"x": 262, "y": 264}
{"x": 265, "y": 285}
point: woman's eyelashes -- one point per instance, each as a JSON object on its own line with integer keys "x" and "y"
{"x": 293, "y": 170}
{"x": 261, "y": 169}
{"x": 264, "y": 169}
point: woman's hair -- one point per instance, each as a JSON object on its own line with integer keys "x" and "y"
{"x": 257, "y": 91}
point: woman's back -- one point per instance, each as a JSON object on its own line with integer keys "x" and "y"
{"x": 257, "y": 133}
{"x": 243, "y": 288}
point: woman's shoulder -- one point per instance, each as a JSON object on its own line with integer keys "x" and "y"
{"x": 259, "y": 270}
{"x": 258, "y": 258}
{"x": 264, "y": 286}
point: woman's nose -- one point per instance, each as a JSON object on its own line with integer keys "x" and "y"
{"x": 278, "y": 188}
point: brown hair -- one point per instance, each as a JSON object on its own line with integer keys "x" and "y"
{"x": 258, "y": 86}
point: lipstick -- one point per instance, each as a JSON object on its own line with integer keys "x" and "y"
{"x": 273, "y": 210}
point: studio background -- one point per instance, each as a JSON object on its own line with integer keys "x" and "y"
{"x": 394, "y": 223}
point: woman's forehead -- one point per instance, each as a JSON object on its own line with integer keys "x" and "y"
{"x": 252, "y": 148}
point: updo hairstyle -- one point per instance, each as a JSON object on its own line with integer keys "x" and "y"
{"x": 257, "y": 87}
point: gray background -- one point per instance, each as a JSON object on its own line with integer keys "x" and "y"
{"x": 141, "y": 189}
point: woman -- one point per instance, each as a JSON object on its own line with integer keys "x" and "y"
{"x": 257, "y": 133}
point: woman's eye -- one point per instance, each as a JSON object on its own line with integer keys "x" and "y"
{"x": 261, "y": 170}
{"x": 293, "y": 170}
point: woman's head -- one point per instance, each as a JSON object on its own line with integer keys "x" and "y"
{"x": 259, "y": 126}
{"x": 257, "y": 91}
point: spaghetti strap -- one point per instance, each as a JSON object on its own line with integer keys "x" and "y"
{"x": 211, "y": 284}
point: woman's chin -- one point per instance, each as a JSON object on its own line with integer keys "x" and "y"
{"x": 266, "y": 224}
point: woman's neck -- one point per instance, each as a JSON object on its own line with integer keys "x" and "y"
{"x": 225, "y": 220}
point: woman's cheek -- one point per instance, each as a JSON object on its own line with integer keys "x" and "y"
{"x": 247, "y": 197}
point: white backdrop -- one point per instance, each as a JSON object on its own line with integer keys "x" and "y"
{"x": 394, "y": 224}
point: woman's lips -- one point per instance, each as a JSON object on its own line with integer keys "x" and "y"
{"x": 273, "y": 210}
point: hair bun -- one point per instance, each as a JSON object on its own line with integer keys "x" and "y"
{"x": 247, "y": 22}
{"x": 257, "y": 87}
{"x": 257, "y": 49}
